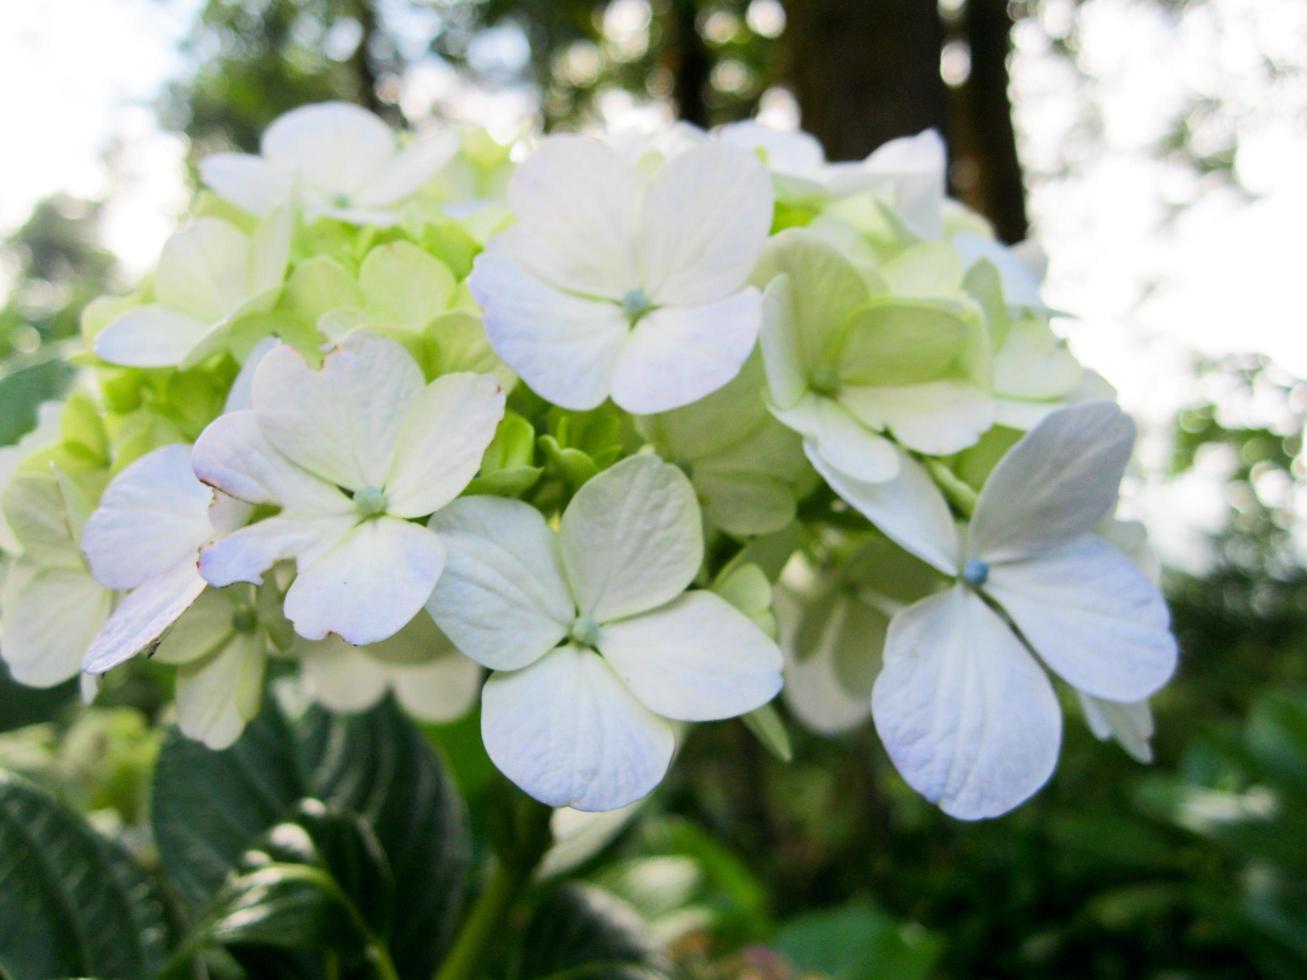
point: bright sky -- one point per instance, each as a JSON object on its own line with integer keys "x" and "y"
{"x": 1156, "y": 260}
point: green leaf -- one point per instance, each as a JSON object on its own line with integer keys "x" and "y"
{"x": 318, "y": 881}
{"x": 210, "y": 807}
{"x": 21, "y": 705}
{"x": 580, "y": 932}
{"x": 21, "y": 393}
{"x": 74, "y": 903}
{"x": 857, "y": 942}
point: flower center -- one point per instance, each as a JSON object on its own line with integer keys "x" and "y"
{"x": 370, "y": 501}
{"x": 824, "y": 380}
{"x": 636, "y": 304}
{"x": 585, "y": 631}
{"x": 975, "y": 573}
{"x": 244, "y": 620}
{"x": 340, "y": 200}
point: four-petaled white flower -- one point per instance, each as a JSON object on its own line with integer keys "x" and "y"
{"x": 50, "y": 606}
{"x": 351, "y": 454}
{"x": 964, "y": 710}
{"x": 594, "y": 640}
{"x": 616, "y": 284}
{"x": 333, "y": 159}
{"x": 846, "y": 362}
{"x": 210, "y": 274}
{"x": 144, "y": 538}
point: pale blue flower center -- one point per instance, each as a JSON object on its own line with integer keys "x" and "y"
{"x": 340, "y": 200}
{"x": 636, "y": 304}
{"x": 244, "y": 620}
{"x": 824, "y": 380}
{"x": 370, "y": 501}
{"x": 975, "y": 573}
{"x": 585, "y": 631}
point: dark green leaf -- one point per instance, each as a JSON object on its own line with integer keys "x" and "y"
{"x": 857, "y": 942}
{"x": 21, "y": 705}
{"x": 71, "y": 902}
{"x": 580, "y": 932}
{"x": 21, "y": 393}
{"x": 211, "y": 807}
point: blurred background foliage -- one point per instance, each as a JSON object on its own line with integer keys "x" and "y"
{"x": 744, "y": 866}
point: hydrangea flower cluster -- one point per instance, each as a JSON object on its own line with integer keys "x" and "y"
{"x": 397, "y": 411}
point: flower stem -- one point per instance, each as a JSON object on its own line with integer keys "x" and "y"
{"x": 510, "y": 874}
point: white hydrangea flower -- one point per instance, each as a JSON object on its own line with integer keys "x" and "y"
{"x": 747, "y": 468}
{"x": 908, "y": 174}
{"x": 845, "y": 363}
{"x": 210, "y": 274}
{"x": 144, "y": 538}
{"x": 964, "y": 710}
{"x": 351, "y": 454}
{"x": 220, "y": 653}
{"x": 45, "y": 433}
{"x": 612, "y": 283}
{"x": 596, "y": 646}
{"x": 335, "y": 160}
{"x": 50, "y": 606}
{"x": 430, "y": 678}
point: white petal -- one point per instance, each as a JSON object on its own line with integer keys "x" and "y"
{"x": 1059, "y": 481}
{"x": 341, "y": 422}
{"x": 1020, "y": 282}
{"x": 204, "y": 628}
{"x": 48, "y": 617}
{"x": 1033, "y": 364}
{"x": 677, "y": 355}
{"x": 569, "y": 733}
{"x": 698, "y": 658}
{"x": 369, "y": 585}
{"x": 703, "y": 224}
{"x": 915, "y": 166}
{"x": 966, "y": 715}
{"x": 778, "y": 338}
{"x": 1130, "y": 724}
{"x": 153, "y": 515}
{"x": 244, "y": 555}
{"x": 784, "y": 151}
{"x": 204, "y": 270}
{"x": 632, "y": 538}
{"x": 232, "y": 455}
{"x": 502, "y": 598}
{"x": 216, "y": 696}
{"x": 938, "y": 418}
{"x": 241, "y": 395}
{"x": 149, "y": 336}
{"x": 441, "y": 442}
{"x": 910, "y": 510}
{"x": 440, "y": 689}
{"x": 408, "y": 170}
{"x": 816, "y": 688}
{"x": 575, "y": 203}
{"x": 249, "y": 182}
{"x": 141, "y": 618}
{"x": 833, "y": 434}
{"x": 342, "y": 677}
{"x": 565, "y": 347}
{"x": 334, "y": 145}
{"x": 1092, "y": 615}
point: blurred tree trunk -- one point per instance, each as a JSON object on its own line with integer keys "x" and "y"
{"x": 986, "y": 123}
{"x": 691, "y": 66}
{"x": 865, "y": 71}
{"x": 361, "y": 62}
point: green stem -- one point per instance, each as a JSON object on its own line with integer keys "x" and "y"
{"x": 382, "y": 965}
{"x": 510, "y": 875}
{"x": 958, "y": 493}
